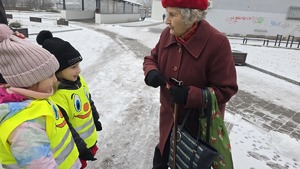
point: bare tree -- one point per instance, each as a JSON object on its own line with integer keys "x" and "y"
{"x": 29, "y": 4}
{"x": 147, "y": 4}
{"x": 9, "y": 3}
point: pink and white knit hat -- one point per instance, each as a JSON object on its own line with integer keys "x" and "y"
{"x": 23, "y": 64}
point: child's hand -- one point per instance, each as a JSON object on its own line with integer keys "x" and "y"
{"x": 87, "y": 155}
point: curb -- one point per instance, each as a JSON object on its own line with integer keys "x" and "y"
{"x": 273, "y": 74}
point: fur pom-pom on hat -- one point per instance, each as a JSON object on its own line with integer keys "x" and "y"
{"x": 193, "y": 4}
{"x": 42, "y": 36}
{"x": 23, "y": 64}
{"x": 5, "y": 32}
{"x": 64, "y": 52}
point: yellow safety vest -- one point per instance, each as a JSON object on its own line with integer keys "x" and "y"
{"x": 61, "y": 142}
{"x": 76, "y": 103}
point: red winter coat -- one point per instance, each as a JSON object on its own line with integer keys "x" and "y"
{"x": 205, "y": 60}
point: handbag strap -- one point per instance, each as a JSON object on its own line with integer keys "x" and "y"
{"x": 206, "y": 100}
{"x": 184, "y": 120}
{"x": 208, "y": 112}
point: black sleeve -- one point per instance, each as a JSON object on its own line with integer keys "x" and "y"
{"x": 3, "y": 18}
{"x": 81, "y": 145}
{"x": 95, "y": 115}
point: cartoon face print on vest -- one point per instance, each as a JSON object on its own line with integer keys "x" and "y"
{"x": 60, "y": 121}
{"x": 83, "y": 109}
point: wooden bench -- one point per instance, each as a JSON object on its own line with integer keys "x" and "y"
{"x": 24, "y": 31}
{"x": 265, "y": 41}
{"x": 290, "y": 44}
{"x": 35, "y": 19}
{"x": 277, "y": 41}
{"x": 62, "y": 22}
{"x": 291, "y": 40}
{"x": 239, "y": 57}
{"x": 9, "y": 16}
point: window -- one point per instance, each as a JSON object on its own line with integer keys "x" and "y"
{"x": 294, "y": 13}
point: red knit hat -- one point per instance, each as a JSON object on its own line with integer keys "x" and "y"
{"x": 193, "y": 4}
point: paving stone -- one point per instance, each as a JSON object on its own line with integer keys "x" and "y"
{"x": 265, "y": 114}
{"x": 296, "y": 117}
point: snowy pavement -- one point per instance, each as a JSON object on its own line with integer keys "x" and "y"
{"x": 128, "y": 108}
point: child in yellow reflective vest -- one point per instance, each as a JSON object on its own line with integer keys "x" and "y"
{"x": 34, "y": 134}
{"x": 73, "y": 97}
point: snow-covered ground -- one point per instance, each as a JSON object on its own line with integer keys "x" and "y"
{"x": 129, "y": 109}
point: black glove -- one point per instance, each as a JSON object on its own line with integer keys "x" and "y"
{"x": 179, "y": 94}
{"x": 87, "y": 155}
{"x": 98, "y": 125}
{"x": 155, "y": 79}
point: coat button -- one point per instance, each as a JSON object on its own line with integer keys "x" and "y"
{"x": 175, "y": 68}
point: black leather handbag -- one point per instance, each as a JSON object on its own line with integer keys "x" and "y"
{"x": 192, "y": 152}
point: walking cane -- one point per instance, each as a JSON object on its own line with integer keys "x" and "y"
{"x": 175, "y": 114}
{"x": 175, "y": 135}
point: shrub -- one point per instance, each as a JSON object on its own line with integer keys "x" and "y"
{"x": 52, "y": 10}
{"x": 15, "y": 24}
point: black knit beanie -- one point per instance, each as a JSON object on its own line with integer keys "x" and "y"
{"x": 65, "y": 53}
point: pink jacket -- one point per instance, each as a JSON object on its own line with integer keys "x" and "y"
{"x": 7, "y": 97}
{"x": 30, "y": 135}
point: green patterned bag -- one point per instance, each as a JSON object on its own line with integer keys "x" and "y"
{"x": 219, "y": 138}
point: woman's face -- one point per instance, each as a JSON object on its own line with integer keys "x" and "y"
{"x": 175, "y": 21}
{"x": 45, "y": 86}
{"x": 71, "y": 73}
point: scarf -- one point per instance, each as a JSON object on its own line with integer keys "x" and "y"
{"x": 188, "y": 34}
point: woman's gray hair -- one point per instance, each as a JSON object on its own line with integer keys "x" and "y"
{"x": 190, "y": 14}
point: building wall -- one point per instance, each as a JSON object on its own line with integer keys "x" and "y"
{"x": 268, "y": 6}
{"x": 251, "y": 17}
{"x": 111, "y": 11}
{"x": 89, "y": 5}
{"x": 157, "y": 10}
{"x": 74, "y": 15}
{"x": 248, "y": 23}
{"x": 115, "y": 18}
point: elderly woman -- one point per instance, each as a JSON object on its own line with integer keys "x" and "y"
{"x": 196, "y": 53}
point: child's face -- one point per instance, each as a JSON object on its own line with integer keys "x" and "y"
{"x": 71, "y": 73}
{"x": 45, "y": 86}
